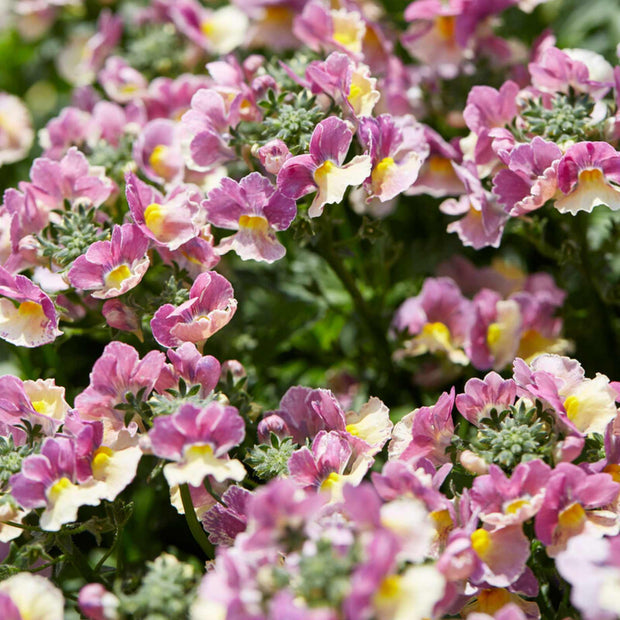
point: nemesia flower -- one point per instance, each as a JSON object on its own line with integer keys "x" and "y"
{"x": 570, "y": 497}
{"x": 438, "y": 319}
{"x": 170, "y": 221}
{"x": 33, "y": 321}
{"x": 217, "y": 31}
{"x": 398, "y": 149}
{"x": 583, "y": 405}
{"x": 481, "y": 396}
{"x": 96, "y": 603}
{"x": 157, "y": 151}
{"x": 27, "y": 596}
{"x": 506, "y": 501}
{"x": 71, "y": 178}
{"x": 16, "y": 134}
{"x": 591, "y": 565}
{"x": 53, "y": 481}
{"x": 69, "y": 128}
{"x": 483, "y": 221}
{"x": 224, "y": 522}
{"x": 205, "y": 130}
{"x": 111, "y": 268}
{"x": 322, "y": 170}
{"x": 198, "y": 440}
{"x": 530, "y": 179}
{"x": 118, "y": 371}
{"x": 254, "y": 208}
{"x": 192, "y": 367}
{"x": 210, "y": 307}
{"x": 121, "y": 82}
{"x": 587, "y": 176}
{"x": 337, "y": 29}
{"x": 328, "y": 465}
{"x": 273, "y": 154}
{"x": 39, "y": 402}
{"x": 426, "y": 432}
{"x": 347, "y": 83}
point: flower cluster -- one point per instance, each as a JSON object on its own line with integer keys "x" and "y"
{"x": 246, "y": 373}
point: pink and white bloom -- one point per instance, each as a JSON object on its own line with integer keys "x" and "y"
{"x": 347, "y": 83}
{"x": 198, "y": 440}
{"x": 256, "y": 209}
{"x": 530, "y": 179}
{"x": 210, "y": 307}
{"x": 121, "y": 82}
{"x": 438, "y": 320}
{"x": 32, "y": 597}
{"x": 482, "y": 396}
{"x": 588, "y": 176}
{"x": 16, "y": 133}
{"x": 322, "y": 170}
{"x": 398, "y": 149}
{"x": 170, "y": 220}
{"x": 27, "y": 315}
{"x": 158, "y": 153}
{"x": 111, "y": 268}
{"x": 118, "y": 371}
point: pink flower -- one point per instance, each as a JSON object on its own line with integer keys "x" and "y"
{"x": 273, "y": 154}
{"x": 322, "y": 170}
{"x": 398, "y": 149}
{"x": 157, "y": 151}
{"x": 483, "y": 221}
{"x": 121, "y": 317}
{"x": 111, "y": 268}
{"x": 33, "y": 321}
{"x": 117, "y": 372}
{"x": 198, "y": 440}
{"x": 530, "y": 179}
{"x": 570, "y": 493}
{"x": 210, "y": 307}
{"x": 587, "y": 175}
{"x": 205, "y": 127}
{"x": 438, "y": 319}
{"x": 481, "y": 396}
{"x": 346, "y": 82}
{"x": 425, "y": 433}
{"x": 170, "y": 221}
{"x": 121, "y": 82}
{"x": 254, "y": 208}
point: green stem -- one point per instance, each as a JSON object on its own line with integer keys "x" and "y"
{"x": 326, "y": 250}
{"x": 75, "y": 556}
{"x": 194, "y": 525}
{"x": 212, "y": 493}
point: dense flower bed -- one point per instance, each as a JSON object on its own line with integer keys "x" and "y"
{"x": 306, "y": 310}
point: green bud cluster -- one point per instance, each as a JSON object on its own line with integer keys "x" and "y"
{"x": 518, "y": 434}
{"x": 73, "y": 236}
{"x": 166, "y": 592}
{"x": 270, "y": 460}
{"x": 569, "y": 118}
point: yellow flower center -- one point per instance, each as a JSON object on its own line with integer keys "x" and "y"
{"x": 381, "y": 170}
{"x": 481, "y": 542}
{"x": 445, "y": 25}
{"x": 58, "y": 488}
{"x": 323, "y": 170}
{"x": 41, "y": 406}
{"x": 31, "y": 310}
{"x": 330, "y": 482}
{"x": 572, "y": 517}
{"x": 571, "y": 404}
{"x": 198, "y": 450}
{"x": 254, "y": 222}
{"x": 117, "y": 276}
{"x": 100, "y": 461}
{"x": 440, "y": 165}
{"x": 154, "y": 216}
{"x": 388, "y": 591}
{"x": 515, "y": 505}
{"x": 593, "y": 176}
{"x": 494, "y": 333}
{"x": 492, "y": 600}
{"x": 613, "y": 470}
{"x": 157, "y": 160}
{"x": 208, "y": 28}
